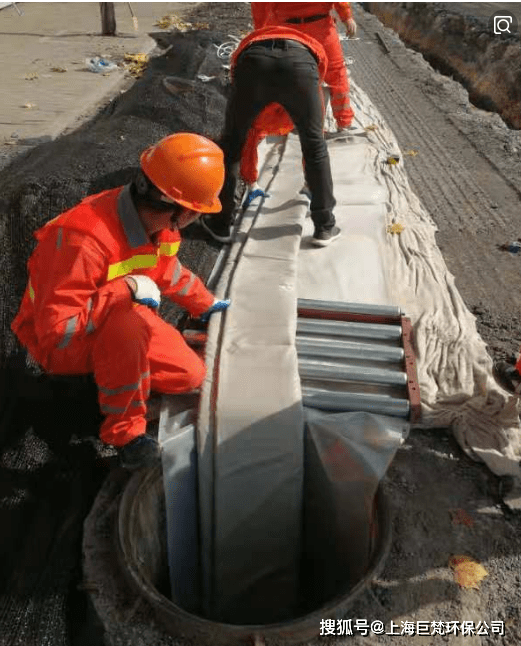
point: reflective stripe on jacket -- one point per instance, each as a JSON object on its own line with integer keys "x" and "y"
{"x": 76, "y": 271}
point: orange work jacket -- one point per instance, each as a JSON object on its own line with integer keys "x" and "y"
{"x": 273, "y": 120}
{"x": 76, "y": 271}
{"x": 275, "y": 13}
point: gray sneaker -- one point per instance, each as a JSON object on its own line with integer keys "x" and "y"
{"x": 323, "y": 237}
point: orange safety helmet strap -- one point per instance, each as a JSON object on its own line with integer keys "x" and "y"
{"x": 187, "y": 168}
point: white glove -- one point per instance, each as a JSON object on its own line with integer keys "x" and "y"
{"x": 146, "y": 291}
{"x": 350, "y": 26}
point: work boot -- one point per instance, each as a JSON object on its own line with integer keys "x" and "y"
{"x": 143, "y": 451}
{"x": 508, "y": 377}
{"x": 218, "y": 230}
{"x": 322, "y": 236}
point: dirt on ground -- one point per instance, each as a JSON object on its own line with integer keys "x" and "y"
{"x": 467, "y": 174}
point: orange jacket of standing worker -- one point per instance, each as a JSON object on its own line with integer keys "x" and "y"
{"x": 276, "y": 120}
{"x": 273, "y": 120}
{"x": 76, "y": 278}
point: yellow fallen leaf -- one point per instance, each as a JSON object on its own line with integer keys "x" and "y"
{"x": 467, "y": 572}
{"x": 392, "y": 160}
{"x": 31, "y": 76}
{"x": 411, "y": 153}
{"x": 136, "y": 63}
{"x": 372, "y": 126}
{"x": 163, "y": 23}
{"x": 171, "y": 20}
{"x": 137, "y": 58}
{"x": 396, "y": 227}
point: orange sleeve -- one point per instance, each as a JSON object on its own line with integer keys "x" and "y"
{"x": 183, "y": 287}
{"x": 69, "y": 293}
{"x": 343, "y": 10}
{"x": 262, "y": 14}
{"x": 249, "y": 156}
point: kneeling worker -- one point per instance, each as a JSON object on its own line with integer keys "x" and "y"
{"x": 279, "y": 65}
{"x": 95, "y": 282}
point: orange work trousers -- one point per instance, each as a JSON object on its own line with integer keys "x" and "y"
{"x": 132, "y": 353}
{"x": 336, "y": 76}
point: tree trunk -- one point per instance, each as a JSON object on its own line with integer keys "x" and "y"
{"x": 108, "y": 19}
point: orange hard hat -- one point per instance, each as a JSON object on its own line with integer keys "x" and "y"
{"x": 187, "y": 168}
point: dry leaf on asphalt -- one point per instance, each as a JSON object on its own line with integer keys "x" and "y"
{"x": 136, "y": 63}
{"x": 411, "y": 153}
{"x": 30, "y": 106}
{"x": 58, "y": 69}
{"x": 372, "y": 126}
{"x": 31, "y": 76}
{"x": 467, "y": 572}
{"x": 461, "y": 517}
{"x": 395, "y": 228}
{"x": 171, "y": 20}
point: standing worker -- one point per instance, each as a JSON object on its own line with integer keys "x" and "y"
{"x": 315, "y": 20}
{"x": 95, "y": 282}
{"x": 278, "y": 65}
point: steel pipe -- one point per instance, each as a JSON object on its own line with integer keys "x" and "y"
{"x": 363, "y": 402}
{"x": 326, "y": 327}
{"x": 326, "y": 348}
{"x": 351, "y": 308}
{"x": 327, "y": 371}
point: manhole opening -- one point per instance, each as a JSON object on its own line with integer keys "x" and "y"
{"x": 340, "y": 556}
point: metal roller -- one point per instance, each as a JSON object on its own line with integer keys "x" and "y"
{"x": 363, "y": 402}
{"x": 326, "y": 348}
{"x": 350, "y": 308}
{"x": 326, "y": 327}
{"x": 327, "y": 371}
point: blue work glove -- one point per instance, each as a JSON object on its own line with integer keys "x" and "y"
{"x": 144, "y": 290}
{"x": 218, "y": 306}
{"x": 253, "y": 191}
{"x": 144, "y": 451}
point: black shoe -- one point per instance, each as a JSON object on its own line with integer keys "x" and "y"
{"x": 508, "y": 377}
{"x": 144, "y": 451}
{"x": 323, "y": 237}
{"x": 218, "y": 231}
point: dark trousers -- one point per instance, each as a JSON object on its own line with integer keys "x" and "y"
{"x": 284, "y": 72}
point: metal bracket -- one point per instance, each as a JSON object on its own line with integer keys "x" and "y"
{"x": 376, "y": 317}
{"x": 413, "y": 387}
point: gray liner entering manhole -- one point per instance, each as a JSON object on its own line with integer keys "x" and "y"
{"x": 142, "y": 552}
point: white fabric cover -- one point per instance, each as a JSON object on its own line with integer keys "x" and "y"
{"x": 254, "y": 440}
{"x": 454, "y": 368}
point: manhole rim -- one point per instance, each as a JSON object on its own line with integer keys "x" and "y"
{"x": 292, "y": 631}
